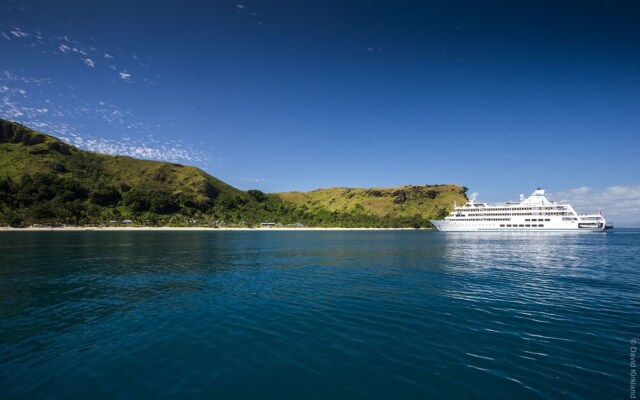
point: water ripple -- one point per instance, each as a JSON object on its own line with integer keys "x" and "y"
{"x": 316, "y": 315}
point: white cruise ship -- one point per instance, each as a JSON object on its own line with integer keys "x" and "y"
{"x": 535, "y": 213}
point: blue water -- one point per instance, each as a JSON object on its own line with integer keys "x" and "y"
{"x": 317, "y": 315}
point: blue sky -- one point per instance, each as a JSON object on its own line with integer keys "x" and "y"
{"x": 498, "y": 96}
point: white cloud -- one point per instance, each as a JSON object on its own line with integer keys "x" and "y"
{"x": 7, "y": 89}
{"x": 90, "y": 52}
{"x": 619, "y": 204}
{"x": 143, "y": 147}
{"x": 111, "y": 113}
{"x": 12, "y": 110}
{"x": 252, "y": 179}
{"x": 9, "y": 76}
{"x": 15, "y": 103}
{"x": 125, "y": 76}
{"x": 48, "y": 116}
{"x": 72, "y": 49}
{"x": 139, "y": 148}
{"x": 9, "y": 109}
{"x": 240, "y": 6}
{"x": 19, "y": 34}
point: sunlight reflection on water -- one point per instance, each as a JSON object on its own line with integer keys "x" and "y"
{"x": 316, "y": 314}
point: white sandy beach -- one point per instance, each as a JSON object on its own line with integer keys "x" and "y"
{"x": 185, "y": 229}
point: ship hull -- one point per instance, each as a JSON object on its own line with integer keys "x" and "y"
{"x": 454, "y": 226}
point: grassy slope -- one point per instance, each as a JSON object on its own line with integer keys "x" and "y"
{"x": 401, "y": 201}
{"x": 25, "y": 151}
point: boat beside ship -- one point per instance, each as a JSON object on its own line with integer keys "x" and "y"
{"x": 536, "y": 213}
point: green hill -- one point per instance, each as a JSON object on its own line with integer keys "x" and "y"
{"x": 44, "y": 180}
{"x": 428, "y": 202}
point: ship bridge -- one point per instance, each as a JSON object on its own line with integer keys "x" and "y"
{"x": 536, "y": 198}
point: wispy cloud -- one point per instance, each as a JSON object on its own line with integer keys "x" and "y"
{"x": 112, "y": 114}
{"x": 66, "y": 48}
{"x": 66, "y": 122}
{"x": 12, "y": 90}
{"x": 247, "y": 16}
{"x": 19, "y": 33}
{"x": 121, "y": 64}
{"x": 146, "y": 148}
{"x": 125, "y": 76}
{"x": 255, "y": 180}
{"x": 142, "y": 147}
{"x": 8, "y": 76}
{"x": 12, "y": 110}
{"x": 16, "y": 103}
{"x": 59, "y": 108}
{"x": 619, "y": 204}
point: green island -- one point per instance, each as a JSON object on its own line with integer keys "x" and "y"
{"x": 46, "y": 181}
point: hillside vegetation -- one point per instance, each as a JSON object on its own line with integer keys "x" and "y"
{"x": 44, "y": 180}
{"x": 428, "y": 202}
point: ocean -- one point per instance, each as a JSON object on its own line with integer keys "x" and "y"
{"x": 318, "y": 315}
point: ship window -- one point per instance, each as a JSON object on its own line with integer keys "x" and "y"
{"x": 528, "y": 226}
{"x": 547, "y": 219}
{"x": 508, "y": 225}
{"x": 527, "y": 219}
{"x": 521, "y": 226}
{"x": 541, "y": 226}
{"x": 501, "y": 225}
{"x": 534, "y": 225}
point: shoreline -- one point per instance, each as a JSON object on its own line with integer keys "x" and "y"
{"x": 191, "y": 229}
